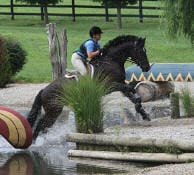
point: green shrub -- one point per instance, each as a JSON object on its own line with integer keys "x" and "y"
{"x": 84, "y": 97}
{"x": 5, "y": 68}
{"x": 187, "y": 101}
{"x": 17, "y": 55}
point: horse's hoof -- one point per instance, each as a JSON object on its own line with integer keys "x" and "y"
{"x": 146, "y": 118}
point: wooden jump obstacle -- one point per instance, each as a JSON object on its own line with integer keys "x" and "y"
{"x": 101, "y": 146}
{"x": 162, "y": 72}
{"x": 158, "y": 81}
{"x": 15, "y": 128}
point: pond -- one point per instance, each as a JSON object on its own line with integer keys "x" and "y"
{"x": 48, "y": 155}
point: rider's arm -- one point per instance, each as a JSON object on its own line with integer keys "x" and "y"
{"x": 90, "y": 49}
{"x": 93, "y": 54}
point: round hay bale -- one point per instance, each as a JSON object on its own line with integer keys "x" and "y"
{"x": 15, "y": 128}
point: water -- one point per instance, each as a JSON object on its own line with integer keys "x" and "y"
{"x": 48, "y": 156}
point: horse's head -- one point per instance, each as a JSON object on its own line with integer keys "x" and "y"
{"x": 127, "y": 46}
{"x": 138, "y": 54}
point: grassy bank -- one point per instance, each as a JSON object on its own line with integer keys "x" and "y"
{"x": 31, "y": 33}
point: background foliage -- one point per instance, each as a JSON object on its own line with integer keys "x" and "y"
{"x": 179, "y": 15}
{"x": 12, "y": 59}
{"x": 30, "y": 32}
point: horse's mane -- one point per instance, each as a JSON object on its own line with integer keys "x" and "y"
{"x": 118, "y": 41}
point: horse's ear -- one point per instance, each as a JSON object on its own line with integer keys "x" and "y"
{"x": 141, "y": 41}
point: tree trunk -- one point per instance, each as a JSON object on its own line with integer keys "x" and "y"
{"x": 119, "y": 18}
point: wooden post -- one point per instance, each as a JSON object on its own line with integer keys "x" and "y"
{"x": 140, "y": 11}
{"x": 73, "y": 10}
{"x": 58, "y": 55}
{"x": 63, "y": 46}
{"x": 175, "y": 111}
{"x": 12, "y": 9}
{"x": 41, "y": 12}
{"x": 106, "y": 11}
{"x": 53, "y": 50}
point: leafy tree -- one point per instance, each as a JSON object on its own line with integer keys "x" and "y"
{"x": 44, "y": 4}
{"x": 118, "y": 4}
{"x": 179, "y": 15}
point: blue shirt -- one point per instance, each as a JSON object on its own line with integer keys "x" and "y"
{"x": 89, "y": 45}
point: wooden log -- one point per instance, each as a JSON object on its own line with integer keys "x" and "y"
{"x": 175, "y": 110}
{"x": 154, "y": 90}
{"x": 147, "y": 90}
{"x": 134, "y": 156}
{"x": 129, "y": 141}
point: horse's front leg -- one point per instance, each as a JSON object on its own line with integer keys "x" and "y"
{"x": 130, "y": 92}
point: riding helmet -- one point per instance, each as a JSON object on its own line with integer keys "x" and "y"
{"x": 95, "y": 30}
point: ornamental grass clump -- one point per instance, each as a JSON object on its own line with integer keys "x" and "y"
{"x": 187, "y": 101}
{"x": 84, "y": 97}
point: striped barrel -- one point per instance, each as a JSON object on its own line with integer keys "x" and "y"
{"x": 162, "y": 72}
{"x": 15, "y": 128}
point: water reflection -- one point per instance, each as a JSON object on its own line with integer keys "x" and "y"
{"x": 33, "y": 163}
{"x": 48, "y": 156}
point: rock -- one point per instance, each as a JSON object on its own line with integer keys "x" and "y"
{"x": 119, "y": 110}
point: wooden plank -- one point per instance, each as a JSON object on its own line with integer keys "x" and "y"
{"x": 134, "y": 156}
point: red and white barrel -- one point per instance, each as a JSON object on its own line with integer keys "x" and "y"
{"x": 15, "y": 128}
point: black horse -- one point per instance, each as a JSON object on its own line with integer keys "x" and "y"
{"x": 109, "y": 63}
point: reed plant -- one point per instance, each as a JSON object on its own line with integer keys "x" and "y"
{"x": 84, "y": 97}
{"x": 188, "y": 102}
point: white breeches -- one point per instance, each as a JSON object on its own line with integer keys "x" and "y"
{"x": 78, "y": 64}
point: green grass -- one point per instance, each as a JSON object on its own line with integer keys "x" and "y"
{"x": 31, "y": 33}
{"x": 84, "y": 97}
{"x": 187, "y": 101}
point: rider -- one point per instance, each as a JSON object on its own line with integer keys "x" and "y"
{"x": 87, "y": 51}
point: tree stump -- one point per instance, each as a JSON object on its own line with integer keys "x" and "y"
{"x": 175, "y": 110}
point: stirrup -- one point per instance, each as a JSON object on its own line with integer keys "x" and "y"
{"x": 72, "y": 74}
{"x": 71, "y": 77}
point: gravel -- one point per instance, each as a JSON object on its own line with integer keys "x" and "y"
{"x": 22, "y": 95}
{"x": 19, "y": 95}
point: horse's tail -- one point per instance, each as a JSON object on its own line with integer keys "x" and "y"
{"x": 36, "y": 109}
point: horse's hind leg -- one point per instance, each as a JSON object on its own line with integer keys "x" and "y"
{"x": 36, "y": 109}
{"x": 47, "y": 120}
